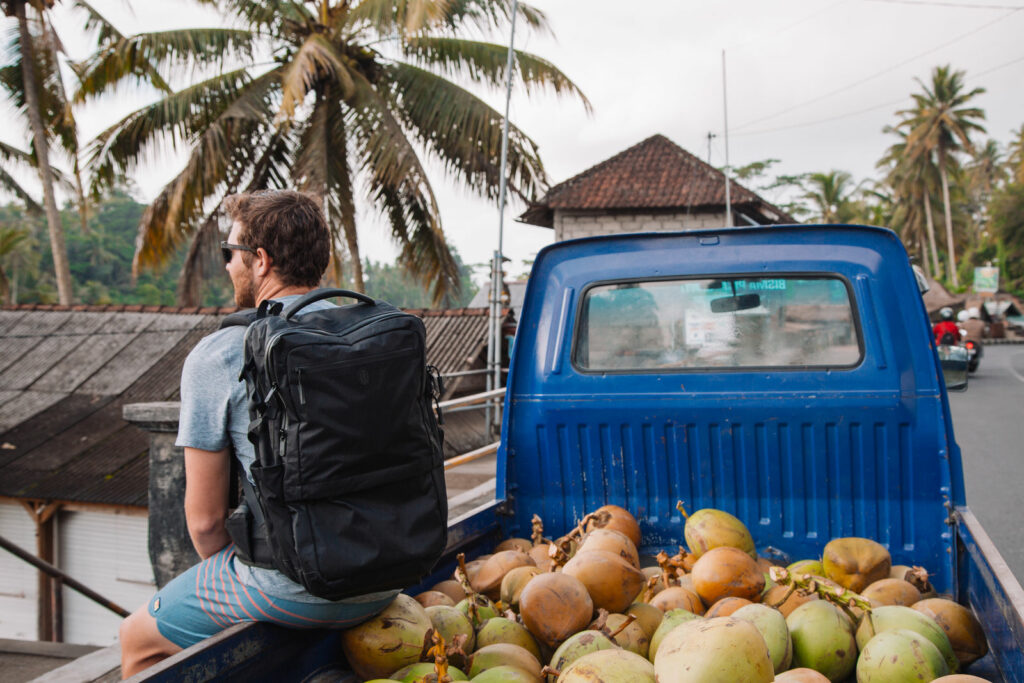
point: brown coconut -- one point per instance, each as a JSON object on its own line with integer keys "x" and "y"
{"x": 387, "y": 642}
{"x": 554, "y": 606}
{"x": 856, "y": 563}
{"x": 891, "y": 592}
{"x": 611, "y": 541}
{"x": 961, "y": 627}
{"x": 540, "y": 554}
{"x": 617, "y": 518}
{"x": 452, "y": 588}
{"x": 513, "y": 583}
{"x": 523, "y": 544}
{"x": 488, "y": 578}
{"x": 613, "y": 583}
{"x": 726, "y": 606}
{"x": 432, "y": 598}
{"x": 727, "y": 572}
{"x": 678, "y": 597}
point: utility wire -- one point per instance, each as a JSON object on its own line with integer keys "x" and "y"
{"x": 775, "y": 33}
{"x": 935, "y": 3}
{"x": 852, "y": 114}
{"x": 877, "y": 73}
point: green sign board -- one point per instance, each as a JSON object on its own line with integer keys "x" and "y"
{"x": 986, "y": 279}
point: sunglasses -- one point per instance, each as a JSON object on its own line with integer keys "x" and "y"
{"x": 226, "y": 249}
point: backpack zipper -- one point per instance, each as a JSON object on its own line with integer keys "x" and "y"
{"x": 360, "y": 360}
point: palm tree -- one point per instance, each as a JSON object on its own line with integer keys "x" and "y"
{"x": 1015, "y": 158}
{"x": 912, "y": 182}
{"x": 941, "y": 124}
{"x": 831, "y": 196}
{"x": 347, "y": 95}
{"x": 32, "y": 85}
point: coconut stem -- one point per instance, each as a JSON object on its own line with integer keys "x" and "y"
{"x": 537, "y": 536}
{"x": 550, "y": 671}
{"x": 440, "y": 658}
{"x": 648, "y": 591}
{"x": 806, "y": 584}
{"x": 682, "y": 510}
{"x": 630, "y": 618}
{"x": 462, "y": 576}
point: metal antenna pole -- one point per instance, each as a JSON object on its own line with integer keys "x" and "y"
{"x": 494, "y": 347}
{"x": 711, "y": 136}
{"x": 725, "y": 114}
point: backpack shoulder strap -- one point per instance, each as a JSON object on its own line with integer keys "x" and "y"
{"x": 239, "y": 319}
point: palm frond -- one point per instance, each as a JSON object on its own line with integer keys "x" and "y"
{"x": 315, "y": 61}
{"x": 141, "y": 57}
{"x": 488, "y": 63}
{"x": 14, "y": 160}
{"x": 96, "y": 23}
{"x": 465, "y": 132}
{"x": 181, "y": 116}
{"x": 399, "y": 185}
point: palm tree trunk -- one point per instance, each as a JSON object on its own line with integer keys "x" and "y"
{"x": 951, "y": 249}
{"x": 930, "y": 222}
{"x": 65, "y": 293}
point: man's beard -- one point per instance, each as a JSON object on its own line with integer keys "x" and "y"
{"x": 245, "y": 291}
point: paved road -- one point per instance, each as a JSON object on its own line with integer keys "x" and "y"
{"x": 988, "y": 420}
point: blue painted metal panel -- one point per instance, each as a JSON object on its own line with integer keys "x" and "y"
{"x": 799, "y": 455}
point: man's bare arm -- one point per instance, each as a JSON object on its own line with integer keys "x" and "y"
{"x": 207, "y": 482}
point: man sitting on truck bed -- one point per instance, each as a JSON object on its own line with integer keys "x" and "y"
{"x": 277, "y": 249}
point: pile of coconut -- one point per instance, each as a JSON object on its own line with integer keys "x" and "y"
{"x": 583, "y": 608}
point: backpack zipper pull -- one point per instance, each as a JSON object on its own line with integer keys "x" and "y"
{"x": 302, "y": 395}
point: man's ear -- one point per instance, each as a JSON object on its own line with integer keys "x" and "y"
{"x": 262, "y": 262}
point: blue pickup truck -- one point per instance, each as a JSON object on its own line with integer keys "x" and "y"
{"x": 784, "y": 374}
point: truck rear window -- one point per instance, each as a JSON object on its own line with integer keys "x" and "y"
{"x": 737, "y": 322}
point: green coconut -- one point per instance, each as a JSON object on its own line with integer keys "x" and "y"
{"x": 672, "y": 618}
{"x": 822, "y": 639}
{"x": 709, "y": 528}
{"x": 718, "y": 650}
{"x": 425, "y": 672}
{"x": 505, "y": 674}
{"x": 503, "y": 654}
{"x": 450, "y": 622}
{"x": 813, "y": 567}
{"x": 485, "y": 609}
{"x": 387, "y": 642}
{"x": 900, "y": 656}
{"x": 576, "y": 646}
{"x": 772, "y": 625}
{"x": 648, "y": 616}
{"x": 502, "y": 630}
{"x": 609, "y": 666}
{"x": 896, "y": 617}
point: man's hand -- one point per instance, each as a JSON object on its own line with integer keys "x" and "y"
{"x": 207, "y": 482}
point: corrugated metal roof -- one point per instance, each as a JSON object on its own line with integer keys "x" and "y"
{"x": 67, "y": 372}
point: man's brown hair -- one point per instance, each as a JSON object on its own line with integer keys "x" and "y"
{"x": 291, "y": 227}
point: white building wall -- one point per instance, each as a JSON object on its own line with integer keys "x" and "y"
{"x": 18, "y": 579}
{"x": 108, "y": 552}
{"x": 570, "y": 225}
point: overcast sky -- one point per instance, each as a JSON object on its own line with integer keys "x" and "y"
{"x": 810, "y": 82}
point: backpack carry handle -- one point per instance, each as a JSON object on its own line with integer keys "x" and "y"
{"x": 325, "y": 293}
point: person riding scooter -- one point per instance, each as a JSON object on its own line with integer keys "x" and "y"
{"x": 946, "y": 331}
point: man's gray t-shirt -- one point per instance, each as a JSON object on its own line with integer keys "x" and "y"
{"x": 215, "y": 415}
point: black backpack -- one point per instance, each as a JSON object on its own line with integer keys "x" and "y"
{"x": 349, "y": 494}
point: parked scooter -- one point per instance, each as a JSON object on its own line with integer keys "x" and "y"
{"x": 971, "y": 342}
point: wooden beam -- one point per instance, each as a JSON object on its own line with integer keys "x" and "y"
{"x": 471, "y": 456}
{"x": 75, "y": 506}
{"x": 45, "y": 552}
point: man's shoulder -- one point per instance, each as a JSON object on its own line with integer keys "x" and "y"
{"x": 221, "y": 346}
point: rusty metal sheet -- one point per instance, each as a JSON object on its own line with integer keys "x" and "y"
{"x": 132, "y": 362}
{"x": 25, "y": 406}
{"x": 38, "y": 323}
{"x": 15, "y": 348}
{"x": 9, "y": 319}
{"x": 82, "y": 362}
{"x": 47, "y": 424}
{"x": 48, "y": 353}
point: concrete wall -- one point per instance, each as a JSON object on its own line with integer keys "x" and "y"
{"x": 571, "y": 225}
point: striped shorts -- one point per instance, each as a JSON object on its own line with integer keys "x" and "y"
{"x": 209, "y": 597}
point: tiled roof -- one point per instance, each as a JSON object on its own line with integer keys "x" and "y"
{"x": 654, "y": 175}
{"x": 67, "y": 372}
